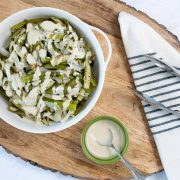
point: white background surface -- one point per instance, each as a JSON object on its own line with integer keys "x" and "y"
{"x": 166, "y": 12}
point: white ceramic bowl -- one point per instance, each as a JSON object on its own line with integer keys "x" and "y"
{"x": 99, "y": 67}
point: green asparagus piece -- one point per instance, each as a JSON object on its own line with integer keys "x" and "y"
{"x": 22, "y": 42}
{"x": 90, "y": 90}
{"x": 72, "y": 83}
{"x": 87, "y": 74}
{"x": 13, "y": 69}
{"x": 42, "y": 76}
{"x": 19, "y": 25}
{"x": 72, "y": 107}
{"x": 50, "y": 67}
{"x": 48, "y": 100}
{"x": 55, "y": 48}
{"x": 50, "y": 36}
{"x": 18, "y": 106}
{"x": 16, "y": 33}
{"x": 59, "y": 102}
{"x": 57, "y": 20}
{"x": 3, "y": 93}
{"x": 60, "y": 77}
{"x": 23, "y": 23}
{"x": 59, "y": 37}
{"x": 65, "y": 22}
{"x": 17, "y": 109}
{"x": 49, "y": 91}
{"x": 27, "y": 78}
{"x": 80, "y": 78}
{"x": 20, "y": 113}
{"x": 93, "y": 79}
{"x": 46, "y": 121}
{"x": 46, "y": 60}
{"x": 30, "y": 87}
{"x": 81, "y": 95}
{"x": 37, "y": 20}
{"x": 79, "y": 107}
{"x": 80, "y": 61}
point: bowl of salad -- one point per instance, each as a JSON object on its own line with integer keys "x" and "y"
{"x": 52, "y": 69}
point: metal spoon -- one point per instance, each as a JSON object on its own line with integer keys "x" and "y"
{"x": 137, "y": 175}
{"x": 164, "y": 65}
{"x": 153, "y": 102}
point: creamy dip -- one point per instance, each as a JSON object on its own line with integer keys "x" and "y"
{"x": 99, "y": 132}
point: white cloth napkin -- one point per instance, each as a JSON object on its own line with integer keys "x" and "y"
{"x": 139, "y": 39}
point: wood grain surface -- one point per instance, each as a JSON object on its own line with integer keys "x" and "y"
{"x": 62, "y": 151}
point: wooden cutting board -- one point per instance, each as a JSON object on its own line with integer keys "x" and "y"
{"x": 62, "y": 151}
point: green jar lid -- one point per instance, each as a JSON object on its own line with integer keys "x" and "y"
{"x": 112, "y": 159}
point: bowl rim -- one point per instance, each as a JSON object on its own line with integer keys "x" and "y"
{"x": 104, "y": 161}
{"x": 83, "y": 27}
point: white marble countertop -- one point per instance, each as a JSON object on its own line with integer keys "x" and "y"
{"x": 164, "y": 12}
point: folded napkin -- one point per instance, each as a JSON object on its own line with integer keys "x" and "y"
{"x": 139, "y": 39}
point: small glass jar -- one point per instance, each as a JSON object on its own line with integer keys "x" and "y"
{"x": 113, "y": 158}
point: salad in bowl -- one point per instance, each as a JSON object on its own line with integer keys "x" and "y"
{"x": 52, "y": 69}
{"x": 46, "y": 70}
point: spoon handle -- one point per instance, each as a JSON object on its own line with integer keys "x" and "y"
{"x": 153, "y": 102}
{"x": 164, "y": 65}
{"x": 137, "y": 175}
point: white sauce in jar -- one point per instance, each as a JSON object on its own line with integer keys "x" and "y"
{"x": 99, "y": 132}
